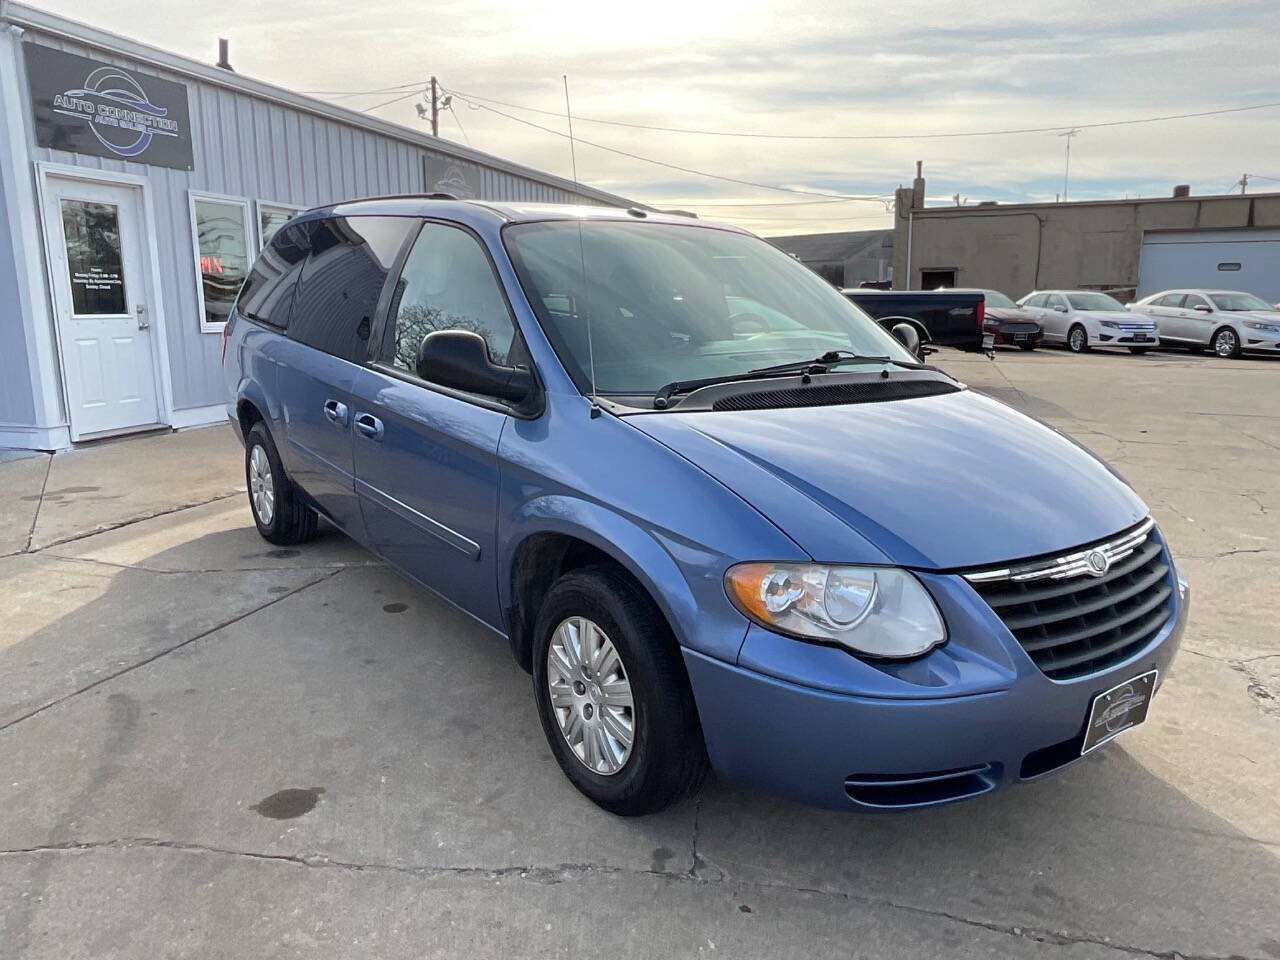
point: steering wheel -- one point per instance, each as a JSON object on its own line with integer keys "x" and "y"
{"x": 751, "y": 319}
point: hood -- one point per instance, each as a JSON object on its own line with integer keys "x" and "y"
{"x": 1010, "y": 313}
{"x": 1120, "y": 316}
{"x": 1260, "y": 316}
{"x": 945, "y": 482}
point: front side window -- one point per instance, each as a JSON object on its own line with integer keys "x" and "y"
{"x": 448, "y": 284}
{"x": 1094, "y": 302}
{"x": 222, "y": 252}
{"x": 662, "y": 302}
{"x": 1239, "y": 301}
{"x": 337, "y": 296}
{"x": 1192, "y": 301}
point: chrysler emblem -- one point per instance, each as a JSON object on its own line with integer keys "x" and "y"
{"x": 1099, "y": 562}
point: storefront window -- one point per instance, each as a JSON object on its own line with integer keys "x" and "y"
{"x": 271, "y": 217}
{"x": 223, "y": 251}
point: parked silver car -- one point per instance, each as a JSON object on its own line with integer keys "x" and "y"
{"x": 1228, "y": 321}
{"x": 1081, "y": 319}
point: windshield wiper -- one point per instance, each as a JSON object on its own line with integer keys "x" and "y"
{"x": 830, "y": 359}
{"x": 820, "y": 364}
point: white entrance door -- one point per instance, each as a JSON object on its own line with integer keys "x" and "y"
{"x": 100, "y": 300}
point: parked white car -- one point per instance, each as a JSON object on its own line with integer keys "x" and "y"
{"x": 1229, "y": 322}
{"x": 1081, "y": 319}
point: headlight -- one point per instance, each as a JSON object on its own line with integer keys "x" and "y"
{"x": 878, "y": 611}
{"x": 1109, "y": 323}
{"x": 1265, "y": 327}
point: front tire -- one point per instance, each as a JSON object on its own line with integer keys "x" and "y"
{"x": 613, "y": 695}
{"x": 1077, "y": 339}
{"x": 278, "y": 512}
{"x": 1226, "y": 344}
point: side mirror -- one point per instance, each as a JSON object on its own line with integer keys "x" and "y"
{"x": 1059, "y": 308}
{"x": 906, "y": 335}
{"x": 460, "y": 359}
{"x": 1202, "y": 308}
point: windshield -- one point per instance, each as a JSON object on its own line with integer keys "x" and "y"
{"x": 995, "y": 298}
{"x": 670, "y": 302}
{"x": 1093, "y": 301}
{"x": 1239, "y": 301}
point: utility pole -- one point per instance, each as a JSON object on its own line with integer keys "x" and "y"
{"x": 1244, "y": 184}
{"x": 435, "y": 109}
{"x": 1066, "y": 177}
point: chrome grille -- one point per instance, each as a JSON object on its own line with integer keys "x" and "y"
{"x": 1074, "y": 620}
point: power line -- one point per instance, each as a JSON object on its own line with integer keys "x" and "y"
{"x": 880, "y": 136}
{"x": 359, "y": 93}
{"x": 458, "y": 120}
{"x": 405, "y": 96}
{"x": 671, "y": 166}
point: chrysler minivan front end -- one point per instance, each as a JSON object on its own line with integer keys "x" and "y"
{"x": 724, "y": 519}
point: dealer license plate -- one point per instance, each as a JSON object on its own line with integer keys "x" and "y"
{"x": 1116, "y": 710}
{"x": 1140, "y": 338}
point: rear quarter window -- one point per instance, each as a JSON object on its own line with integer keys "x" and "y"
{"x": 267, "y": 294}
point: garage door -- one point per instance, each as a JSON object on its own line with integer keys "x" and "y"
{"x": 1246, "y": 260}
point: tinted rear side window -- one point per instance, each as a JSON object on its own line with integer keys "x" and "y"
{"x": 344, "y": 273}
{"x": 267, "y": 294}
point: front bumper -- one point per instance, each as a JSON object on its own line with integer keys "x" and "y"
{"x": 974, "y": 715}
{"x": 1126, "y": 338}
{"x": 1257, "y": 341}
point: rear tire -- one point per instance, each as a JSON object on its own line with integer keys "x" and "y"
{"x": 278, "y": 512}
{"x": 666, "y": 760}
{"x": 1077, "y": 339}
{"x": 1226, "y": 343}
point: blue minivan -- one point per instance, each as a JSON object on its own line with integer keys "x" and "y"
{"x": 725, "y": 520}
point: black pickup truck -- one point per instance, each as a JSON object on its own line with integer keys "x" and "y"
{"x": 950, "y": 317}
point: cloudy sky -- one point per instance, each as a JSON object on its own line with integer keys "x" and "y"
{"x": 823, "y": 68}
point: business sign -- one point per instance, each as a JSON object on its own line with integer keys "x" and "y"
{"x": 448, "y": 175}
{"x": 86, "y": 106}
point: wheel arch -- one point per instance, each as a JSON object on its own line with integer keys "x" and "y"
{"x": 553, "y": 535}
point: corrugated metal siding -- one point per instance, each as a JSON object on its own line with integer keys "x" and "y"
{"x": 17, "y": 405}
{"x": 258, "y": 150}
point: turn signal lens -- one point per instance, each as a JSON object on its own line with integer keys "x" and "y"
{"x": 877, "y": 611}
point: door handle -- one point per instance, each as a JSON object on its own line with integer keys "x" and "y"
{"x": 336, "y": 412}
{"x": 369, "y": 425}
{"x": 141, "y": 311}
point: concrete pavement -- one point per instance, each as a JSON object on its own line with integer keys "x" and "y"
{"x": 213, "y": 747}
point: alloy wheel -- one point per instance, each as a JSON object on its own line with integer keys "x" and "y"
{"x": 1224, "y": 344}
{"x": 1078, "y": 339}
{"x": 591, "y": 695}
{"x": 262, "y": 492}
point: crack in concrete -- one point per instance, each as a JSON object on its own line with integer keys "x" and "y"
{"x": 282, "y": 568}
{"x": 118, "y": 524}
{"x": 567, "y": 872}
{"x": 165, "y": 652}
{"x": 48, "y": 469}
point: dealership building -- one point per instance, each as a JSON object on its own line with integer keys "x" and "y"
{"x": 1129, "y": 248}
{"x": 136, "y": 187}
